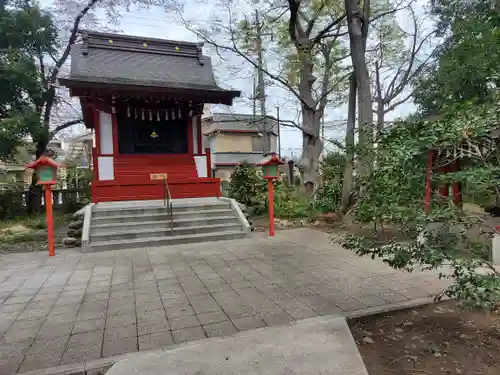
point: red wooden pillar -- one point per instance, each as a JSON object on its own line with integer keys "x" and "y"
{"x": 191, "y": 149}
{"x": 50, "y": 220}
{"x": 209, "y": 162}
{"x": 95, "y": 165}
{"x": 428, "y": 182}
{"x": 444, "y": 190}
{"x": 457, "y": 186}
{"x": 270, "y": 189}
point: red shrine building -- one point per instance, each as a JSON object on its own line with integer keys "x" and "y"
{"x": 143, "y": 99}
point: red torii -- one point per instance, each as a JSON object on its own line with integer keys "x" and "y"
{"x": 444, "y": 190}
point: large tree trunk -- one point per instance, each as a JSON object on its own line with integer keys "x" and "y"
{"x": 311, "y": 151}
{"x": 357, "y": 38}
{"x": 347, "y": 185}
{"x": 311, "y": 123}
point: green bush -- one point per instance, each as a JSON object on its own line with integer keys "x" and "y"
{"x": 11, "y": 201}
{"x": 329, "y": 193}
{"x": 247, "y": 186}
{"x": 289, "y": 203}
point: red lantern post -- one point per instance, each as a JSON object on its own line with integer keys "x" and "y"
{"x": 46, "y": 171}
{"x": 270, "y": 169}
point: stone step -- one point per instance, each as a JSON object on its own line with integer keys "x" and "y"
{"x": 160, "y": 224}
{"x": 165, "y": 231}
{"x": 164, "y": 241}
{"x": 125, "y": 211}
{"x": 162, "y": 216}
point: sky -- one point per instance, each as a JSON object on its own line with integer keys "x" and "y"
{"x": 156, "y": 23}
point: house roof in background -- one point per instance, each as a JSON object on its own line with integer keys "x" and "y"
{"x": 106, "y": 59}
{"x": 233, "y": 122}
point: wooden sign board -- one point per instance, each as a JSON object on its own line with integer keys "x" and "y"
{"x": 46, "y": 175}
{"x": 158, "y": 176}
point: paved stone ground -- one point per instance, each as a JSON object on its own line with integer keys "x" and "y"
{"x": 76, "y": 307}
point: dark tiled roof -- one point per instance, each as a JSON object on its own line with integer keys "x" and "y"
{"x": 104, "y": 58}
{"x": 239, "y": 122}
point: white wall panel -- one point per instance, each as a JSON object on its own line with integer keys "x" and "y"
{"x": 106, "y": 168}
{"x": 105, "y": 133}
{"x": 201, "y": 165}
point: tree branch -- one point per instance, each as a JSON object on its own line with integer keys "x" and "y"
{"x": 53, "y": 76}
{"x": 336, "y": 143}
{"x": 328, "y": 28}
{"x": 71, "y": 41}
{"x": 399, "y": 102}
{"x": 293, "y": 22}
{"x": 378, "y": 86}
{"x": 326, "y": 52}
{"x": 234, "y": 48}
{"x": 65, "y": 125}
{"x": 415, "y": 48}
{"x": 396, "y": 9}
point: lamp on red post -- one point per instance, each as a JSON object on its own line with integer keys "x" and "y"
{"x": 270, "y": 167}
{"x": 46, "y": 172}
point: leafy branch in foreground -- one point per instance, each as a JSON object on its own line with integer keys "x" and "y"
{"x": 448, "y": 239}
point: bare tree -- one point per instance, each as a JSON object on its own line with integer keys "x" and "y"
{"x": 358, "y": 26}
{"x": 311, "y": 34}
{"x": 358, "y": 22}
{"x": 396, "y": 65}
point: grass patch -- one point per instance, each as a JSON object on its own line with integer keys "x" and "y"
{"x": 28, "y": 229}
{"x": 10, "y": 238}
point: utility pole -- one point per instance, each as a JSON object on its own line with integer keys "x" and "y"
{"x": 279, "y": 131}
{"x": 261, "y": 87}
{"x": 254, "y": 104}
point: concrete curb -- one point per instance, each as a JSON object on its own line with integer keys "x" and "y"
{"x": 239, "y": 213}
{"x": 86, "y": 227}
{"x": 390, "y": 307}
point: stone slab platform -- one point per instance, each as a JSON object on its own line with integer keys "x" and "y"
{"x": 76, "y": 308}
{"x": 313, "y": 346}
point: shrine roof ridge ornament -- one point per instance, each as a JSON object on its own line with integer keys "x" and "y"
{"x": 145, "y": 45}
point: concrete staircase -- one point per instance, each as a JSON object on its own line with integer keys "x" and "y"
{"x": 126, "y": 225}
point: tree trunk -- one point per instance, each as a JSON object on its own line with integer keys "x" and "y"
{"x": 357, "y": 40}
{"x": 311, "y": 123}
{"x": 347, "y": 185}
{"x": 311, "y": 151}
{"x": 380, "y": 116}
{"x": 34, "y": 198}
